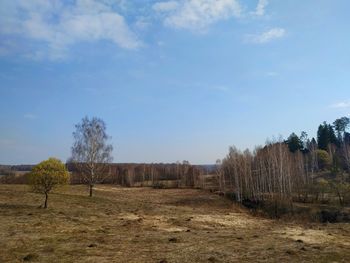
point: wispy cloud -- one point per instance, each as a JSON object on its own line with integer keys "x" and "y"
{"x": 40, "y": 29}
{"x": 341, "y": 105}
{"x": 267, "y": 36}
{"x": 271, "y": 74}
{"x": 196, "y": 15}
{"x": 142, "y": 23}
{"x": 260, "y": 8}
{"x": 165, "y": 6}
{"x": 54, "y": 26}
{"x": 221, "y": 88}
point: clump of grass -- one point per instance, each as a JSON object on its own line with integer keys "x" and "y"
{"x": 30, "y": 257}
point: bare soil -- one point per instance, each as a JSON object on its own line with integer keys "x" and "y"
{"x": 154, "y": 225}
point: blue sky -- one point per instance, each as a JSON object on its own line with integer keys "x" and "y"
{"x": 173, "y": 80}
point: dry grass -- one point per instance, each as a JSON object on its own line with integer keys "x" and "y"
{"x": 150, "y": 225}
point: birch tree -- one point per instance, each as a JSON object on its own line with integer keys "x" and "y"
{"x": 91, "y": 151}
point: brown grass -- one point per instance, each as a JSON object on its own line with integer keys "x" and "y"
{"x": 151, "y": 225}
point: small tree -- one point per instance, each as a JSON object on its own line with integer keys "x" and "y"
{"x": 91, "y": 152}
{"x": 324, "y": 160}
{"x": 321, "y": 187}
{"x": 47, "y": 175}
{"x": 342, "y": 191}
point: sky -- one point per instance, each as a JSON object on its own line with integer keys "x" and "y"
{"x": 173, "y": 80}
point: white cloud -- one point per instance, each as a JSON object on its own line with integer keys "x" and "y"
{"x": 267, "y": 36}
{"x": 56, "y": 26}
{"x": 197, "y": 14}
{"x": 341, "y": 105}
{"x": 260, "y": 8}
{"x": 165, "y": 6}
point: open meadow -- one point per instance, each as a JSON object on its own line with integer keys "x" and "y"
{"x": 154, "y": 225}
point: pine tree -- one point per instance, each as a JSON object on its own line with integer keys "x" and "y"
{"x": 322, "y": 136}
{"x": 294, "y": 143}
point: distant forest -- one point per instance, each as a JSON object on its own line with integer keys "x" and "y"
{"x": 297, "y": 169}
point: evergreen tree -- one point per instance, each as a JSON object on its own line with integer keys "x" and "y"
{"x": 347, "y": 138}
{"x": 322, "y": 136}
{"x": 326, "y": 136}
{"x": 332, "y": 138}
{"x": 312, "y": 144}
{"x": 294, "y": 143}
{"x": 340, "y": 126}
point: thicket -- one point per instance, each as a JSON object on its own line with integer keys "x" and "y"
{"x": 294, "y": 170}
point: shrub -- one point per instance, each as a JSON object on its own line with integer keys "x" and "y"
{"x": 321, "y": 188}
{"x": 47, "y": 175}
{"x": 324, "y": 160}
{"x": 158, "y": 185}
{"x": 342, "y": 191}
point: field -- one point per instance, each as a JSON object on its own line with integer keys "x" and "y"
{"x": 154, "y": 225}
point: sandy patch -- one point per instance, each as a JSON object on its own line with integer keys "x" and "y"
{"x": 163, "y": 223}
{"x": 231, "y": 220}
{"x": 309, "y": 236}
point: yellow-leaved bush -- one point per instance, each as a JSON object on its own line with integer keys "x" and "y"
{"x": 47, "y": 175}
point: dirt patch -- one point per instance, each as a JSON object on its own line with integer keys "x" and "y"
{"x": 231, "y": 220}
{"x": 312, "y": 236}
{"x": 309, "y": 236}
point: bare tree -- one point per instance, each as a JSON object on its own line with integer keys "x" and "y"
{"x": 346, "y": 154}
{"x": 220, "y": 175}
{"x": 91, "y": 150}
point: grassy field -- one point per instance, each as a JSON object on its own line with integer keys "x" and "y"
{"x": 150, "y": 225}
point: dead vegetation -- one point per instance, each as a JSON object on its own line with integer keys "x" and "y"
{"x": 154, "y": 225}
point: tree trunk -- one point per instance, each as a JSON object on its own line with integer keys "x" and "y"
{"x": 46, "y": 197}
{"x": 341, "y": 201}
{"x": 91, "y": 186}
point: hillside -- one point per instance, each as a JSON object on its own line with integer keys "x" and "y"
{"x": 149, "y": 225}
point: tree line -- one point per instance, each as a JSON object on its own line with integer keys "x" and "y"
{"x": 280, "y": 171}
{"x": 296, "y": 168}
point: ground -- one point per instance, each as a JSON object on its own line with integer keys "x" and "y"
{"x": 154, "y": 225}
